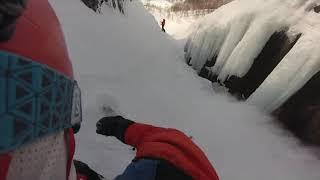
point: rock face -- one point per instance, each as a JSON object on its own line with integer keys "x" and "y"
{"x": 92, "y": 4}
{"x": 188, "y": 5}
{"x": 266, "y": 58}
{"x": 273, "y": 52}
{"x": 95, "y": 5}
{"x": 317, "y": 9}
{"x": 301, "y": 113}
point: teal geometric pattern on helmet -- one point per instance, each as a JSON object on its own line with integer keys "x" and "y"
{"x": 35, "y": 101}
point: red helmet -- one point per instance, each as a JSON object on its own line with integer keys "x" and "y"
{"x": 39, "y": 37}
{"x": 37, "y": 40}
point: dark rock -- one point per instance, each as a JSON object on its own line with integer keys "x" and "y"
{"x": 211, "y": 62}
{"x": 204, "y": 72}
{"x": 301, "y": 113}
{"x": 233, "y": 83}
{"x": 188, "y": 60}
{"x": 317, "y": 9}
{"x": 271, "y": 55}
{"x": 207, "y": 74}
{"x": 95, "y": 5}
{"x": 275, "y": 49}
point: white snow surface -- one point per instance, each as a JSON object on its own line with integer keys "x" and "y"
{"x": 238, "y": 31}
{"x": 127, "y": 63}
{"x": 159, "y": 3}
{"x": 177, "y": 23}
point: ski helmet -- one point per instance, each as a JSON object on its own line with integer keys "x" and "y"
{"x": 38, "y": 36}
{"x": 38, "y": 95}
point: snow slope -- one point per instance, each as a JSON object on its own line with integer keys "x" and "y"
{"x": 177, "y": 23}
{"x": 128, "y": 63}
{"x": 236, "y": 34}
{"x": 158, "y": 3}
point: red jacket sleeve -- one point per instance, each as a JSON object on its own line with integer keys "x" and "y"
{"x": 173, "y": 146}
{"x": 5, "y": 160}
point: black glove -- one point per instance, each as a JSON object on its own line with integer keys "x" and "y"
{"x": 84, "y": 170}
{"x": 76, "y": 128}
{"x": 113, "y": 126}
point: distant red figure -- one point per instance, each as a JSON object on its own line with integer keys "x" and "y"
{"x": 163, "y": 23}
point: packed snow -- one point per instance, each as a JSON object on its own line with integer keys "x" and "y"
{"x": 126, "y": 62}
{"x": 236, "y": 34}
{"x": 158, "y": 3}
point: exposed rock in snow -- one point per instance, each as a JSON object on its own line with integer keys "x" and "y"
{"x": 317, "y": 9}
{"x": 263, "y": 51}
{"x": 96, "y": 5}
{"x": 300, "y": 113}
{"x": 164, "y": 4}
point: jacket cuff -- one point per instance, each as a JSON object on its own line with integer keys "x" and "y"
{"x": 122, "y": 129}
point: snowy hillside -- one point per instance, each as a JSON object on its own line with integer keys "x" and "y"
{"x": 158, "y": 3}
{"x": 178, "y": 20}
{"x": 177, "y": 24}
{"x": 127, "y": 62}
{"x": 180, "y": 15}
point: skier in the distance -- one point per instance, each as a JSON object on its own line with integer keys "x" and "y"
{"x": 40, "y": 107}
{"x": 163, "y": 23}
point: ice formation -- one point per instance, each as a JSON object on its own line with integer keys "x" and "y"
{"x": 234, "y": 35}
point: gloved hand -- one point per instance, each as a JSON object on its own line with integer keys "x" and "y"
{"x": 113, "y": 126}
{"x": 84, "y": 170}
{"x": 76, "y": 128}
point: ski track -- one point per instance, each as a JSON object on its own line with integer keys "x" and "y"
{"x": 127, "y": 63}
